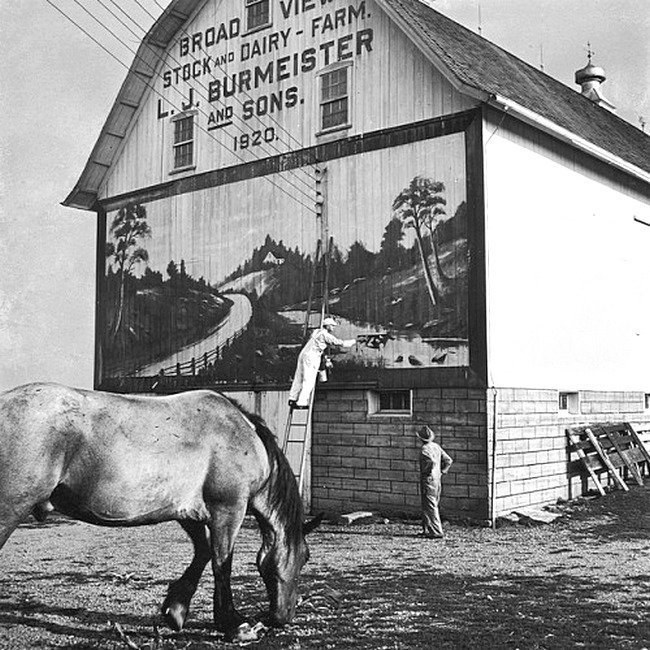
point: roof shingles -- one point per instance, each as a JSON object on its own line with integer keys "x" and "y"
{"x": 478, "y": 63}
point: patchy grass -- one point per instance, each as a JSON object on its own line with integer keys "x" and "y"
{"x": 581, "y": 582}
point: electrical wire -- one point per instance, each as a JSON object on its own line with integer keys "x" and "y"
{"x": 160, "y": 57}
{"x": 291, "y": 136}
{"x": 149, "y": 85}
{"x": 177, "y": 90}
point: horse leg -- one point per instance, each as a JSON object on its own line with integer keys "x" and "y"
{"x": 8, "y": 523}
{"x": 12, "y": 513}
{"x": 224, "y": 526}
{"x": 176, "y": 606}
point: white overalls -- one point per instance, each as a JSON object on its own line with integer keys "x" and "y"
{"x": 309, "y": 362}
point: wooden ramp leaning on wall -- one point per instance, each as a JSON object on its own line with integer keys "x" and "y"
{"x": 612, "y": 447}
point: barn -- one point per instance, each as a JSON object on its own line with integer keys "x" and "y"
{"x": 479, "y": 228}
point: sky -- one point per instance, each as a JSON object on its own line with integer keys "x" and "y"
{"x": 57, "y": 87}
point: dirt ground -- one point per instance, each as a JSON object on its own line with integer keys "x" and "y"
{"x": 580, "y": 582}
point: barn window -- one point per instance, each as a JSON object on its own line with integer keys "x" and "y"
{"x": 569, "y": 402}
{"x": 390, "y": 402}
{"x": 258, "y": 14}
{"x": 184, "y": 142}
{"x": 335, "y": 98}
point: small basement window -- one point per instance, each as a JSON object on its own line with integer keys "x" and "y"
{"x": 258, "y": 14}
{"x": 334, "y": 98}
{"x": 569, "y": 402}
{"x": 647, "y": 401}
{"x": 390, "y": 402}
{"x": 183, "y": 142}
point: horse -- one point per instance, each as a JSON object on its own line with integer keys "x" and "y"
{"x": 130, "y": 460}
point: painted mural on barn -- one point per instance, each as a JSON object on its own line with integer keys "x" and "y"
{"x": 216, "y": 283}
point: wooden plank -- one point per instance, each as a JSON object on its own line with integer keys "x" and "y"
{"x": 614, "y": 437}
{"x": 638, "y": 441}
{"x": 612, "y": 470}
{"x": 571, "y": 433}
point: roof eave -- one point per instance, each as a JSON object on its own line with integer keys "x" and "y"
{"x": 504, "y": 104}
{"x": 129, "y": 98}
{"x": 534, "y": 119}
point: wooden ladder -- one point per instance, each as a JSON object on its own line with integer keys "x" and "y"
{"x": 318, "y": 299}
{"x": 297, "y": 437}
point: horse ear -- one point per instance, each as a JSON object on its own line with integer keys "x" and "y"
{"x": 314, "y": 523}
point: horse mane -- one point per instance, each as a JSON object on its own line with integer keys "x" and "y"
{"x": 283, "y": 495}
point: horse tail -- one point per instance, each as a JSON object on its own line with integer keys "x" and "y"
{"x": 283, "y": 496}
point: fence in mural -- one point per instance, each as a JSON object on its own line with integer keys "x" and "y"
{"x": 195, "y": 366}
{"x": 198, "y": 366}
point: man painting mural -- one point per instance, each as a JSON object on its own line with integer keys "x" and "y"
{"x": 309, "y": 359}
{"x": 434, "y": 462}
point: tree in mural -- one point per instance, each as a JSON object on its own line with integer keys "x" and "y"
{"x": 418, "y": 206}
{"x": 391, "y": 252}
{"x": 128, "y": 229}
{"x": 434, "y": 217}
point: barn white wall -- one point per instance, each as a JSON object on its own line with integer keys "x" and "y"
{"x": 391, "y": 84}
{"x": 567, "y": 271}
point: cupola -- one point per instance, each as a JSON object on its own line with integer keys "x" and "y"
{"x": 590, "y": 79}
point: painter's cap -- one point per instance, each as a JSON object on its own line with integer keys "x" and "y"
{"x": 329, "y": 321}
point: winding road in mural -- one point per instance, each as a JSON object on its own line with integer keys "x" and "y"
{"x": 229, "y": 328}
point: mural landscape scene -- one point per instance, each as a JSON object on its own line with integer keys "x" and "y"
{"x": 406, "y": 303}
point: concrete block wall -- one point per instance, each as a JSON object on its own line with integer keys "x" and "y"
{"x": 363, "y": 461}
{"x": 531, "y": 445}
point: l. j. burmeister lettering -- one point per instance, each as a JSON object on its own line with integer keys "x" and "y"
{"x": 291, "y": 65}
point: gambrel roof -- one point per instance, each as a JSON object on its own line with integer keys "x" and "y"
{"x": 472, "y": 64}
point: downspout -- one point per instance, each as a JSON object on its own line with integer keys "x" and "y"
{"x": 100, "y": 297}
{"x": 493, "y": 477}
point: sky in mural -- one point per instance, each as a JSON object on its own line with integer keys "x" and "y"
{"x": 214, "y": 237}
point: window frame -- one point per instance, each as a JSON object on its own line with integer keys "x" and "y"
{"x": 269, "y": 23}
{"x": 330, "y": 69}
{"x": 375, "y": 398}
{"x": 571, "y": 399}
{"x": 175, "y": 145}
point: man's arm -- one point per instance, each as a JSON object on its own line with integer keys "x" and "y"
{"x": 330, "y": 339}
{"x": 445, "y": 461}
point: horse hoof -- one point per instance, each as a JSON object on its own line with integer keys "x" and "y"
{"x": 175, "y": 616}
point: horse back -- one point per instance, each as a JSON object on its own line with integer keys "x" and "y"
{"x": 155, "y": 450}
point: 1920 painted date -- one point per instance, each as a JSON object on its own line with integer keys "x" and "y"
{"x": 254, "y": 138}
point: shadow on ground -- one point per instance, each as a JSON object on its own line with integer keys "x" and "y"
{"x": 374, "y": 588}
{"x": 374, "y": 608}
{"x": 618, "y": 516}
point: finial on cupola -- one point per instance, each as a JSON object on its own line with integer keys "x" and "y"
{"x": 590, "y": 79}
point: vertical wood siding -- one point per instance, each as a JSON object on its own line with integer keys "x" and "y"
{"x": 391, "y": 84}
